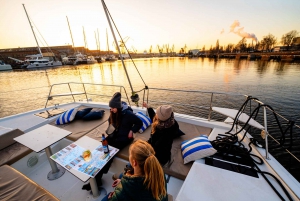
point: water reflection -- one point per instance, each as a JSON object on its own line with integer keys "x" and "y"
{"x": 262, "y": 67}
{"x": 237, "y": 65}
{"x": 280, "y": 68}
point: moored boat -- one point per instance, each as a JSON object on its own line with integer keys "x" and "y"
{"x": 4, "y": 66}
{"x": 38, "y": 61}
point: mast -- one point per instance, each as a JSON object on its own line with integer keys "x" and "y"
{"x": 134, "y": 95}
{"x": 33, "y": 31}
{"x": 107, "y": 42}
{"x": 71, "y": 33}
{"x": 85, "y": 44}
{"x": 98, "y": 41}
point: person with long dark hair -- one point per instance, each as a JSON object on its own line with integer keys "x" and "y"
{"x": 145, "y": 182}
{"x": 125, "y": 123}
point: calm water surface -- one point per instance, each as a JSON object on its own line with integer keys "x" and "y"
{"x": 274, "y": 83}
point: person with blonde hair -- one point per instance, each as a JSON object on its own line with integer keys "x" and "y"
{"x": 145, "y": 181}
{"x": 163, "y": 130}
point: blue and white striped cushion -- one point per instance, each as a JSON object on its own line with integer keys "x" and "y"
{"x": 67, "y": 116}
{"x": 146, "y": 121}
{"x": 196, "y": 148}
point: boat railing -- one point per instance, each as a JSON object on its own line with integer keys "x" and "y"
{"x": 270, "y": 119}
{"x": 190, "y": 102}
{"x": 84, "y": 89}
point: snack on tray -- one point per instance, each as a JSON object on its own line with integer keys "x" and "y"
{"x": 87, "y": 155}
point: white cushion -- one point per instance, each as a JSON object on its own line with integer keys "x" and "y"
{"x": 146, "y": 121}
{"x": 67, "y": 116}
{"x": 196, "y": 148}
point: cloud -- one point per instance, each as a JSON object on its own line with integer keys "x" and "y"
{"x": 222, "y": 31}
{"x": 240, "y": 31}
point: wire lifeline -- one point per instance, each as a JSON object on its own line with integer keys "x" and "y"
{"x": 134, "y": 97}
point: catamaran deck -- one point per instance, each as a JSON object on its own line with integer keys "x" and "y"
{"x": 203, "y": 181}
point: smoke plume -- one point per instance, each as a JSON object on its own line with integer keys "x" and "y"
{"x": 240, "y": 31}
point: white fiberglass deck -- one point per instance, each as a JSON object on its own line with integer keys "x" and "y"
{"x": 68, "y": 187}
{"x": 211, "y": 183}
{"x": 243, "y": 117}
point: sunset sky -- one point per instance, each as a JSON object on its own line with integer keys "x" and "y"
{"x": 174, "y": 22}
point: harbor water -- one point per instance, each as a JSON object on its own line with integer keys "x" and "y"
{"x": 275, "y": 83}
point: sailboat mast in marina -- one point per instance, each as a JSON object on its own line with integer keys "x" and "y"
{"x": 39, "y": 49}
{"x": 38, "y": 61}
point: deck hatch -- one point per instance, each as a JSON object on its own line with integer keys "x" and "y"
{"x": 32, "y": 161}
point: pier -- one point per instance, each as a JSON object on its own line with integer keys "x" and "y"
{"x": 264, "y": 56}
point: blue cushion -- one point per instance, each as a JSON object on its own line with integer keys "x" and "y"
{"x": 81, "y": 113}
{"x": 67, "y": 116}
{"x": 196, "y": 148}
{"x": 93, "y": 115}
{"x": 146, "y": 121}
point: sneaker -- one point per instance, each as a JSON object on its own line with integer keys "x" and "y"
{"x": 88, "y": 186}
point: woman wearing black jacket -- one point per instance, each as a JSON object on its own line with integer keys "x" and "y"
{"x": 163, "y": 129}
{"x": 125, "y": 123}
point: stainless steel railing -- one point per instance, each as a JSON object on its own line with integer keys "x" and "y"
{"x": 183, "y": 99}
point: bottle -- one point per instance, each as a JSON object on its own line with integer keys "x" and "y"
{"x": 105, "y": 144}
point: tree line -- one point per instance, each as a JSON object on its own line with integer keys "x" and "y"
{"x": 266, "y": 44}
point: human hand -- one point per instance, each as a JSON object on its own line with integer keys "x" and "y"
{"x": 145, "y": 105}
{"x": 130, "y": 134}
{"x": 116, "y": 182}
{"x": 110, "y": 194}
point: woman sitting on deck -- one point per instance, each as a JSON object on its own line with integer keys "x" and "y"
{"x": 164, "y": 128}
{"x": 125, "y": 123}
{"x": 145, "y": 182}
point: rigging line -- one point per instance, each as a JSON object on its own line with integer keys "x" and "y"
{"x": 281, "y": 116}
{"x": 32, "y": 30}
{"x": 285, "y": 149}
{"x": 23, "y": 89}
{"x": 112, "y": 31}
{"x": 125, "y": 45}
{"x": 47, "y": 47}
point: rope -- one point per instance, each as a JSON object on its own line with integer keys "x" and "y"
{"x": 48, "y": 48}
{"x": 226, "y": 146}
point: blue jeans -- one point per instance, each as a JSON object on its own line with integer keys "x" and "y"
{"x": 105, "y": 197}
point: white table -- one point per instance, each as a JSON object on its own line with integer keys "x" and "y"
{"x": 243, "y": 117}
{"x": 209, "y": 183}
{"x": 42, "y": 138}
{"x": 90, "y": 144}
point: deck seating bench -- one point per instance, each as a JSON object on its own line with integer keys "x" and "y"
{"x": 10, "y": 150}
{"x": 80, "y": 127}
{"x": 177, "y": 168}
{"x": 95, "y": 128}
{"x": 16, "y": 186}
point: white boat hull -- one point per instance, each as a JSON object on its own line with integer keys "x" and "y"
{"x": 42, "y": 65}
{"x": 5, "y": 67}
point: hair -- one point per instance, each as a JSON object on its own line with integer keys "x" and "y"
{"x": 143, "y": 153}
{"x": 115, "y": 118}
{"x": 154, "y": 124}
